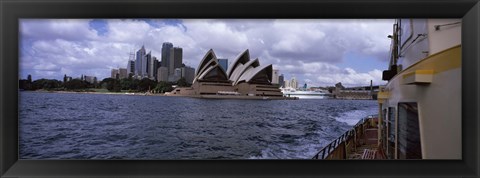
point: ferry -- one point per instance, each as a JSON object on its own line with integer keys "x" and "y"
{"x": 420, "y": 106}
{"x": 305, "y": 94}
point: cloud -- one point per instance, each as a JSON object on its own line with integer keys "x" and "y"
{"x": 308, "y": 49}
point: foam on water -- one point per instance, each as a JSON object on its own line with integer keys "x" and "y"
{"x": 352, "y": 117}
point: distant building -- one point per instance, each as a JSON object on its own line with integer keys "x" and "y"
{"x": 175, "y": 59}
{"x": 177, "y": 74}
{"x": 188, "y": 73}
{"x": 223, "y": 63}
{"x": 147, "y": 59}
{"x": 90, "y": 79}
{"x": 122, "y": 73}
{"x": 114, "y": 73}
{"x": 166, "y": 55}
{"x": 131, "y": 67}
{"x": 287, "y": 84}
{"x": 275, "y": 76}
{"x": 154, "y": 68}
{"x": 162, "y": 74}
{"x": 281, "y": 81}
{"x": 294, "y": 83}
{"x": 140, "y": 62}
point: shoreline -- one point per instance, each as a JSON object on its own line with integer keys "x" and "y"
{"x": 89, "y": 92}
{"x": 189, "y": 96}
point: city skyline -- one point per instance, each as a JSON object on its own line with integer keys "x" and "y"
{"x": 317, "y": 52}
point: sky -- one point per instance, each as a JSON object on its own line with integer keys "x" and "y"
{"x": 319, "y": 52}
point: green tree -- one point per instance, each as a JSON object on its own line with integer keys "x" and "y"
{"x": 46, "y": 84}
{"x": 163, "y": 87}
{"x": 146, "y": 84}
{"x": 76, "y": 84}
{"x": 111, "y": 84}
{"x": 182, "y": 82}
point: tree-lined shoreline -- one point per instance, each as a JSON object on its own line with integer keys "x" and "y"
{"x": 111, "y": 85}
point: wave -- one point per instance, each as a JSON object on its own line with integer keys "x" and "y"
{"x": 352, "y": 117}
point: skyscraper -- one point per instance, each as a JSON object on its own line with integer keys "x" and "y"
{"x": 166, "y": 55}
{"x": 145, "y": 65}
{"x": 175, "y": 59}
{"x": 281, "y": 81}
{"x": 139, "y": 59}
{"x": 154, "y": 68}
{"x": 223, "y": 63}
{"x": 130, "y": 67}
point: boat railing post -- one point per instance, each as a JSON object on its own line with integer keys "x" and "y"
{"x": 323, "y": 154}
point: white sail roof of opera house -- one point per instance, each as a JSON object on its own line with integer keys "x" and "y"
{"x": 242, "y": 58}
{"x": 242, "y": 70}
{"x": 262, "y": 74}
{"x": 209, "y": 56}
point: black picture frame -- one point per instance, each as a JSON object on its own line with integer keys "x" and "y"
{"x": 11, "y": 11}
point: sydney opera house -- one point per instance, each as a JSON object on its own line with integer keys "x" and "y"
{"x": 245, "y": 78}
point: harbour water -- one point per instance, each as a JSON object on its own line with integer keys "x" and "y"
{"x": 102, "y": 126}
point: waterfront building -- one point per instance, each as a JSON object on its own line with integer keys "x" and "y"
{"x": 113, "y": 75}
{"x": 162, "y": 74}
{"x": 245, "y": 77}
{"x": 275, "y": 76}
{"x": 175, "y": 59}
{"x": 122, "y": 73}
{"x": 281, "y": 81}
{"x": 139, "y": 61}
{"x": 166, "y": 55}
{"x": 223, "y": 63}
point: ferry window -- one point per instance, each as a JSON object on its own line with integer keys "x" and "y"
{"x": 409, "y": 146}
{"x": 391, "y": 133}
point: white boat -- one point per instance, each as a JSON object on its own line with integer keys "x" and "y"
{"x": 420, "y": 106}
{"x": 303, "y": 94}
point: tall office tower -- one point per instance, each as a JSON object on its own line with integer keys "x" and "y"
{"x": 287, "y": 84}
{"x": 145, "y": 69}
{"x": 162, "y": 74}
{"x": 140, "y": 55}
{"x": 122, "y": 73}
{"x": 166, "y": 55}
{"x": 188, "y": 73}
{"x": 294, "y": 83}
{"x": 223, "y": 63}
{"x": 281, "y": 81}
{"x": 175, "y": 59}
{"x": 130, "y": 67}
{"x": 274, "y": 76}
{"x": 154, "y": 68}
{"x": 114, "y": 73}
